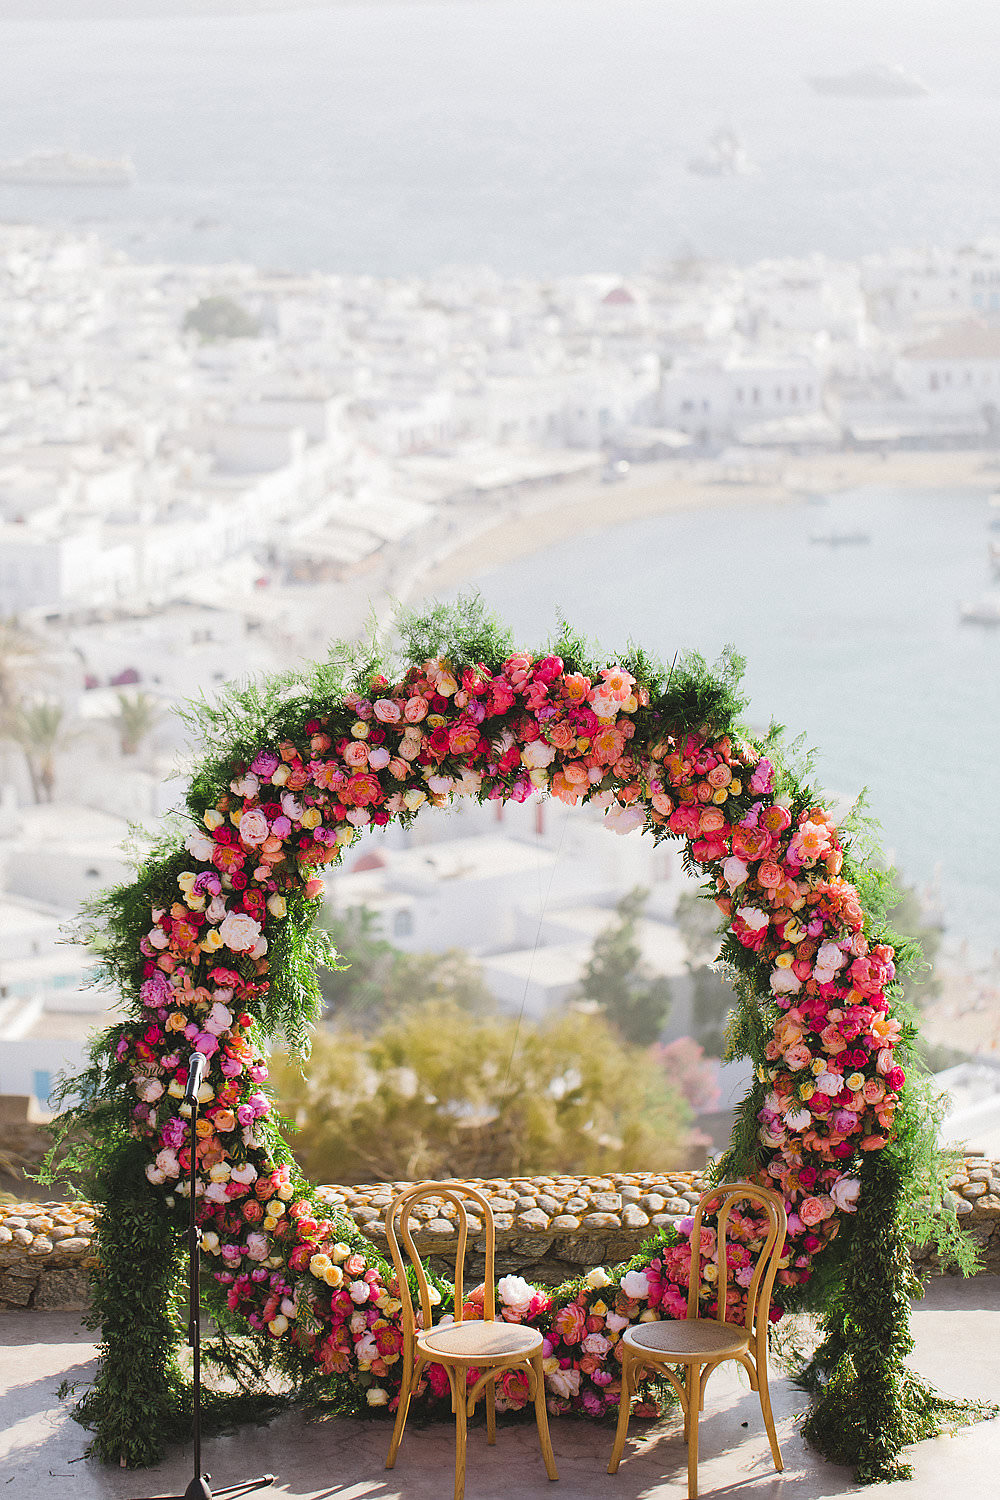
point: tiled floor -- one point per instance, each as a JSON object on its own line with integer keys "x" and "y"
{"x": 957, "y": 1330}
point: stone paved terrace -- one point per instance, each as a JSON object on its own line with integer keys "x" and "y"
{"x": 957, "y": 1331}
{"x": 547, "y": 1228}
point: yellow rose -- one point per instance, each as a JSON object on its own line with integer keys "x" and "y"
{"x": 213, "y": 818}
{"x": 269, "y": 1222}
{"x": 436, "y": 721}
{"x": 278, "y": 1325}
{"x": 720, "y": 796}
{"x": 735, "y": 787}
{"x": 211, "y": 942}
{"x": 311, "y": 818}
{"x": 341, "y": 1251}
{"x": 359, "y": 730}
{"x": 346, "y": 833}
{"x": 806, "y": 1090}
{"x": 280, "y": 776}
{"x": 818, "y": 1065}
{"x": 333, "y": 1276}
{"x": 630, "y": 705}
{"x": 186, "y": 879}
{"x": 413, "y": 798}
{"x": 275, "y": 1208}
{"x": 319, "y": 1265}
{"x": 784, "y": 960}
{"x": 277, "y": 905}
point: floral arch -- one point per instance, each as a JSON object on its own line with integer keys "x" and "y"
{"x": 213, "y": 949}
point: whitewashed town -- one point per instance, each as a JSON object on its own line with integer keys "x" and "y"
{"x": 209, "y": 471}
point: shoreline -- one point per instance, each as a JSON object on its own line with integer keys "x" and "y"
{"x": 545, "y": 515}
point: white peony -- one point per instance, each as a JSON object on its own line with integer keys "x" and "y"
{"x": 515, "y": 1292}
{"x": 200, "y": 847}
{"x": 785, "y": 982}
{"x": 239, "y": 932}
{"x": 635, "y": 1284}
{"x": 845, "y": 1194}
{"x": 625, "y": 819}
{"x": 537, "y": 754}
{"x": 754, "y": 918}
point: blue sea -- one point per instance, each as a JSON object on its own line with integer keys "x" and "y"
{"x": 857, "y": 648}
{"x": 540, "y": 137}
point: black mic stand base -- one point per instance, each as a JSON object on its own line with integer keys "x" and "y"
{"x": 199, "y": 1489}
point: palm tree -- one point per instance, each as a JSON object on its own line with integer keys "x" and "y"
{"x": 137, "y": 715}
{"x": 21, "y": 662}
{"x": 41, "y": 730}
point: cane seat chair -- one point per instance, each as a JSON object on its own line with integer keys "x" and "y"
{"x": 699, "y": 1345}
{"x": 486, "y": 1344}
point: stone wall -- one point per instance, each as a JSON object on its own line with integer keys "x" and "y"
{"x": 547, "y": 1228}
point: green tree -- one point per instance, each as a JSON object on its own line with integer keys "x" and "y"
{"x": 220, "y": 317}
{"x": 136, "y": 718}
{"x": 618, "y": 983}
{"x": 41, "y": 730}
{"x": 378, "y": 979}
{"x": 712, "y": 996}
{"x": 436, "y": 1092}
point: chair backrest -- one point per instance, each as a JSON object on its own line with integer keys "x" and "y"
{"x": 397, "y": 1226}
{"x": 719, "y": 1203}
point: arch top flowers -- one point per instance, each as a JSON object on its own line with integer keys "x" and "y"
{"x": 212, "y": 945}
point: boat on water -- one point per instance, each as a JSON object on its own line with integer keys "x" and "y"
{"x": 982, "y": 611}
{"x": 67, "y": 169}
{"x": 880, "y": 81}
{"x": 841, "y": 538}
{"x": 725, "y": 156}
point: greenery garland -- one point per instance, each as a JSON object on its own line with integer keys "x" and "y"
{"x": 213, "y": 947}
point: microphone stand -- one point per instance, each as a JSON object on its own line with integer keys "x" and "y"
{"x": 199, "y": 1488}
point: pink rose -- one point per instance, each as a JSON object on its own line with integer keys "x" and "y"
{"x": 415, "y": 709}
{"x": 356, "y": 754}
{"x": 387, "y": 711}
{"x": 814, "y": 1210}
{"x": 798, "y": 1056}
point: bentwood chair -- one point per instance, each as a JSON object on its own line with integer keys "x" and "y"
{"x": 485, "y": 1344}
{"x": 701, "y": 1344}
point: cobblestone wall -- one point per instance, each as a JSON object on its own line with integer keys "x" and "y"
{"x": 547, "y": 1228}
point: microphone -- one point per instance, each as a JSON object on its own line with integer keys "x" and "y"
{"x": 197, "y": 1064}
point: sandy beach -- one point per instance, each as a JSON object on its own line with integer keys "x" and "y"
{"x": 536, "y": 518}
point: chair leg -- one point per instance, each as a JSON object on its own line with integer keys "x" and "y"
{"x": 693, "y": 1409}
{"x": 405, "y": 1392}
{"x": 765, "y": 1406}
{"x": 457, "y": 1377}
{"x": 491, "y": 1411}
{"x": 542, "y": 1418}
{"x": 624, "y": 1412}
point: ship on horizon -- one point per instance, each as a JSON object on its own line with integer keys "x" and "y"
{"x": 880, "y": 81}
{"x": 67, "y": 169}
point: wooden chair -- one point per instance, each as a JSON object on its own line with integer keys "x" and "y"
{"x": 700, "y": 1344}
{"x": 485, "y": 1344}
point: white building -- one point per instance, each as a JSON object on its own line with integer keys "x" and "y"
{"x": 713, "y": 399}
{"x": 955, "y": 374}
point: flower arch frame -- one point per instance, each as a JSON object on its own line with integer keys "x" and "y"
{"x": 213, "y": 949}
